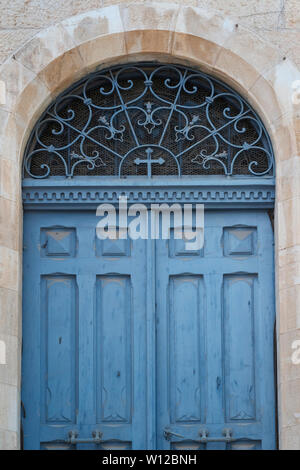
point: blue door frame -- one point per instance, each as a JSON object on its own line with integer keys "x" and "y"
{"x": 59, "y": 216}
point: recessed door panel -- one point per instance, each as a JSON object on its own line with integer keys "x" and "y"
{"x": 114, "y": 354}
{"x": 59, "y": 364}
{"x": 239, "y": 346}
{"x": 186, "y": 324}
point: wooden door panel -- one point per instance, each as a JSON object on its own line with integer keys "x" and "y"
{"x": 186, "y": 323}
{"x": 114, "y": 349}
{"x": 239, "y": 301}
{"x": 88, "y": 309}
{"x": 59, "y": 366}
{"x": 84, "y": 351}
{"x": 215, "y": 323}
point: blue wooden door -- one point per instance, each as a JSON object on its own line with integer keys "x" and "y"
{"x": 84, "y": 334}
{"x": 215, "y": 326}
{"x": 87, "y": 347}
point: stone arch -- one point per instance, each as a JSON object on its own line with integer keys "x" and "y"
{"x": 61, "y": 54}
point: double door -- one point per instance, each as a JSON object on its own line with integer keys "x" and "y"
{"x": 147, "y": 344}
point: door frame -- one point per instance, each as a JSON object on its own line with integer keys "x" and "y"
{"x": 84, "y": 193}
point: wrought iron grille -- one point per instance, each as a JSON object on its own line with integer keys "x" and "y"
{"x": 148, "y": 119}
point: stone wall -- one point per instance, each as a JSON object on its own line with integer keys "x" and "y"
{"x": 277, "y": 21}
{"x": 257, "y": 58}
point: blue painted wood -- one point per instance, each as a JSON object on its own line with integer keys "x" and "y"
{"x": 239, "y": 297}
{"x": 215, "y": 324}
{"x": 84, "y": 344}
{"x": 132, "y": 337}
{"x": 114, "y": 349}
{"x": 86, "y": 193}
{"x": 58, "y": 343}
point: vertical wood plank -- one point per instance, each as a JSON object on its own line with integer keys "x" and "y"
{"x": 151, "y": 345}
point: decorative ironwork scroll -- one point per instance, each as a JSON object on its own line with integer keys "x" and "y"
{"x": 149, "y": 119}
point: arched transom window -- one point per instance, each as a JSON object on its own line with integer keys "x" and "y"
{"x": 148, "y": 120}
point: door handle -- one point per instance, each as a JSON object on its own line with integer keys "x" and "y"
{"x": 168, "y": 434}
{"x": 203, "y": 433}
{"x": 227, "y": 436}
{"x": 73, "y": 439}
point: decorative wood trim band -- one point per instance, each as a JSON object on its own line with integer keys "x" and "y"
{"x": 77, "y": 196}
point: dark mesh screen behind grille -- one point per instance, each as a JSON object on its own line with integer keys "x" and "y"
{"x": 193, "y": 125}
